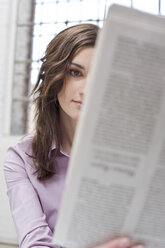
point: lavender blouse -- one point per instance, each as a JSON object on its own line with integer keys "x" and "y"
{"x": 34, "y": 204}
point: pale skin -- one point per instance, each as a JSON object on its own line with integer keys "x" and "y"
{"x": 72, "y": 95}
{"x": 71, "y": 99}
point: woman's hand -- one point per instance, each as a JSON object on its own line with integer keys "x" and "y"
{"x": 121, "y": 242}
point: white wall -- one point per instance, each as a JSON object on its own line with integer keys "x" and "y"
{"x": 8, "y": 11}
{"x": 7, "y": 229}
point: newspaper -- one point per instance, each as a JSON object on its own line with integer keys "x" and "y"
{"x": 116, "y": 179}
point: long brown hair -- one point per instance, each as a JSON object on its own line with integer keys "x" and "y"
{"x": 54, "y": 68}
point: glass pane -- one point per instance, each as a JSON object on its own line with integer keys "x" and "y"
{"x": 89, "y": 10}
{"x": 74, "y": 11}
{"x": 162, "y": 7}
{"x": 49, "y": 12}
{"x": 59, "y": 27}
{"x": 38, "y": 13}
{"x": 45, "y": 1}
{"x": 44, "y": 41}
{"x": 35, "y": 65}
{"x": 121, "y": 2}
{"x": 62, "y": 13}
{"x": 47, "y": 29}
{"x": 36, "y": 47}
{"x": 101, "y": 10}
{"x": 34, "y": 75}
{"x": 37, "y": 30}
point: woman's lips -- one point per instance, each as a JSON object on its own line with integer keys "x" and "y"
{"x": 79, "y": 103}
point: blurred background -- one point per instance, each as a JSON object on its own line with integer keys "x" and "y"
{"x": 26, "y": 28}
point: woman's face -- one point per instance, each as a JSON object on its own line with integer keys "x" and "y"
{"x": 72, "y": 93}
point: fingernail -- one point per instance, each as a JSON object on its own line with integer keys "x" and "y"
{"x": 124, "y": 242}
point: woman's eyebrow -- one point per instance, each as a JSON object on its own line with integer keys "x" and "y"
{"x": 78, "y": 65}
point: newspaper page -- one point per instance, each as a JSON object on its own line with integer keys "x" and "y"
{"x": 116, "y": 179}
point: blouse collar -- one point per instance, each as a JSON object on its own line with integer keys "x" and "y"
{"x": 61, "y": 150}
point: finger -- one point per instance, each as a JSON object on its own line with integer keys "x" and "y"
{"x": 137, "y": 246}
{"x": 121, "y": 242}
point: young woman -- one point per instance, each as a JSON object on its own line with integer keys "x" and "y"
{"x": 35, "y": 168}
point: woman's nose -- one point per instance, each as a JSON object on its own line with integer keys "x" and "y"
{"x": 83, "y": 86}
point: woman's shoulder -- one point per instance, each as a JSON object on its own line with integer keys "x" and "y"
{"x": 19, "y": 156}
{"x": 25, "y": 141}
{"x": 23, "y": 146}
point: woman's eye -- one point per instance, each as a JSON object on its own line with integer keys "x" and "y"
{"x": 75, "y": 73}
